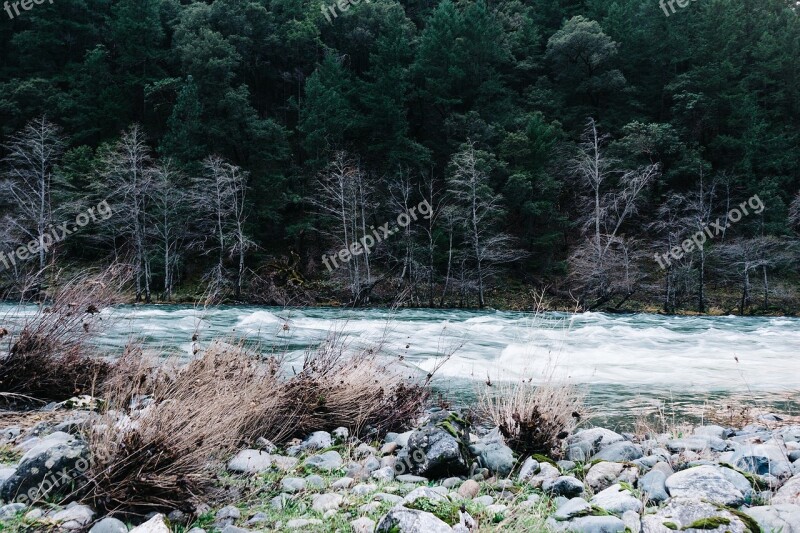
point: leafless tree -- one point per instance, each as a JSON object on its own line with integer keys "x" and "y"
{"x": 746, "y": 255}
{"x": 33, "y": 154}
{"x": 479, "y": 210}
{"x": 219, "y": 198}
{"x": 170, "y": 200}
{"x": 794, "y": 213}
{"x": 128, "y": 179}
{"x": 608, "y": 207}
{"x": 437, "y": 200}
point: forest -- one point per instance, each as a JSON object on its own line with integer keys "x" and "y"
{"x": 565, "y": 148}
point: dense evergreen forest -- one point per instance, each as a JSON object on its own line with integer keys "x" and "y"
{"x": 262, "y": 146}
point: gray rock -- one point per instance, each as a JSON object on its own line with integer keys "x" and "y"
{"x": 363, "y": 525}
{"x": 258, "y": 518}
{"x": 318, "y": 440}
{"x": 616, "y": 500}
{"x": 680, "y": 513}
{"x": 284, "y": 463}
{"x": 697, "y": 444}
{"x": 484, "y": 500}
{"x": 632, "y": 521}
{"x": 411, "y": 478}
{"x": 293, "y": 484}
{"x": 53, "y": 465}
{"x": 327, "y": 461}
{"x": 364, "y": 488}
{"x": 227, "y": 516}
{"x": 547, "y": 473}
{"x": 704, "y": 483}
{"x": 619, "y": 451}
{"x": 718, "y": 432}
{"x": 389, "y": 448}
{"x": 653, "y": 486}
{"x": 386, "y": 497}
{"x": 326, "y": 502}
{"x": 571, "y": 509}
{"x": 603, "y": 474}
{"x": 782, "y": 517}
{"x": 342, "y": 483}
{"x": 583, "y": 444}
{"x": 196, "y": 530}
{"x": 74, "y": 517}
{"x": 762, "y": 459}
{"x": 371, "y": 464}
{"x": 566, "y": 486}
{"x": 340, "y": 434}
{"x": 234, "y": 529}
{"x": 266, "y": 445}
{"x": 315, "y": 482}
{"x": 492, "y": 453}
{"x": 738, "y": 480}
{"x": 383, "y": 474}
{"x": 364, "y": 450}
{"x": 402, "y": 520}
{"x": 109, "y": 525}
{"x": 402, "y": 439}
{"x": 789, "y": 492}
{"x": 424, "y": 492}
{"x": 303, "y": 523}
{"x": 5, "y": 473}
{"x": 439, "y": 448}
{"x": 589, "y": 524}
{"x": 154, "y": 525}
{"x": 528, "y": 469}
{"x": 250, "y": 462}
{"x": 11, "y": 510}
{"x": 279, "y": 501}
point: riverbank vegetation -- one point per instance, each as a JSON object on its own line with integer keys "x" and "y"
{"x": 564, "y": 145}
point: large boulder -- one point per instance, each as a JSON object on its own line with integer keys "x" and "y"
{"x": 402, "y": 520}
{"x": 439, "y": 449}
{"x": 52, "y": 466}
{"x": 616, "y": 500}
{"x": 686, "y": 514}
{"x": 782, "y": 517}
{"x": 250, "y": 462}
{"x": 704, "y": 483}
{"x": 789, "y": 492}
{"x": 585, "y": 443}
{"x": 762, "y": 459}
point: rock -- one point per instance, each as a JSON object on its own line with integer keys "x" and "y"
{"x": 603, "y": 474}
{"x": 279, "y": 501}
{"x": 547, "y": 473}
{"x": 363, "y": 525}
{"x": 109, "y": 525}
{"x": 762, "y": 459}
{"x": 402, "y": 520}
{"x": 566, "y": 486}
{"x": 492, "y": 453}
{"x": 528, "y": 469}
{"x": 619, "y": 451}
{"x": 363, "y": 450}
{"x": 283, "y": 463}
{"x": 34, "y": 514}
{"x": 789, "y": 492}
{"x": 383, "y": 474}
{"x": 258, "y": 518}
{"x": 342, "y": 483}
{"x": 469, "y": 489}
{"x": 303, "y": 523}
{"x": 154, "y": 525}
{"x": 389, "y": 448}
{"x": 704, "y": 483}
{"x": 6, "y": 473}
{"x": 738, "y": 480}
{"x": 718, "y": 432}
{"x": 227, "y": 516}
{"x": 266, "y": 445}
{"x": 402, "y": 439}
{"x": 653, "y": 486}
{"x": 364, "y": 488}
{"x": 632, "y": 521}
{"x": 196, "y": 530}
{"x": 11, "y": 510}
{"x": 293, "y": 484}
{"x": 424, "y": 492}
{"x": 74, "y": 517}
{"x": 410, "y": 478}
{"x": 53, "y": 465}
{"x": 681, "y": 513}
{"x": 327, "y": 461}
{"x": 315, "y": 482}
{"x": 371, "y": 464}
{"x": 616, "y": 500}
{"x": 484, "y": 500}
{"x": 318, "y": 440}
{"x": 439, "y": 448}
{"x": 326, "y": 502}
{"x": 573, "y": 508}
{"x": 782, "y": 517}
{"x": 250, "y": 462}
{"x": 583, "y": 444}
{"x": 340, "y": 435}
{"x": 234, "y": 529}
{"x": 589, "y": 524}
{"x": 697, "y": 444}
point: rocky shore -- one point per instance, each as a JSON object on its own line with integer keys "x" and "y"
{"x": 438, "y": 476}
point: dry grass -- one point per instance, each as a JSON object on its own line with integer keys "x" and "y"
{"x": 48, "y": 356}
{"x": 164, "y": 456}
{"x": 534, "y": 419}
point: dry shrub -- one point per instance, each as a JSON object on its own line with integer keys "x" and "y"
{"x": 163, "y": 456}
{"x": 534, "y": 419}
{"x": 48, "y": 359}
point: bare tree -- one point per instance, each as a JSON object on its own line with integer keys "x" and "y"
{"x": 169, "y": 202}
{"x": 794, "y": 213}
{"x": 128, "y": 178}
{"x": 219, "y": 197}
{"x": 608, "y": 208}
{"x": 33, "y": 153}
{"x": 479, "y": 210}
{"x": 743, "y": 256}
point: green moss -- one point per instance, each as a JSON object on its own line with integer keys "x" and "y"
{"x": 712, "y": 522}
{"x": 444, "y": 511}
{"x": 749, "y": 522}
{"x": 753, "y": 479}
{"x": 626, "y": 486}
{"x": 447, "y": 426}
{"x": 543, "y": 459}
{"x": 9, "y": 454}
{"x": 670, "y": 525}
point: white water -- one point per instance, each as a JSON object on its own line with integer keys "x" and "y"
{"x": 640, "y": 354}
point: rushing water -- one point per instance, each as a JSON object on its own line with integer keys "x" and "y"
{"x": 625, "y": 360}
